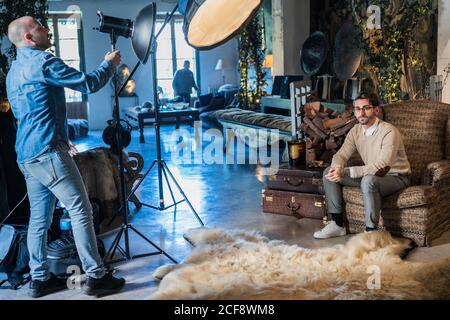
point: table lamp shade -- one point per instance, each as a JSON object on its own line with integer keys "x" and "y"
{"x": 268, "y": 61}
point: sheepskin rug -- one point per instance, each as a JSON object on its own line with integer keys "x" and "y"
{"x": 243, "y": 265}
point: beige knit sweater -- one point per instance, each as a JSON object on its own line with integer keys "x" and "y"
{"x": 383, "y": 148}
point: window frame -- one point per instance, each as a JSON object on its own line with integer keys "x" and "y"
{"x": 160, "y": 18}
{"x": 54, "y": 16}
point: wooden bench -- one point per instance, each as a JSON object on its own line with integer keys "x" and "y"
{"x": 257, "y": 127}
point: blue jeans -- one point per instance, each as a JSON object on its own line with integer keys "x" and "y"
{"x": 55, "y": 175}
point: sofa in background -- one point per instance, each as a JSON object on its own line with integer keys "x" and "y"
{"x": 211, "y": 102}
{"x": 77, "y": 128}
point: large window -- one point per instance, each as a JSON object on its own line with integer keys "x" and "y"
{"x": 171, "y": 52}
{"x": 67, "y": 44}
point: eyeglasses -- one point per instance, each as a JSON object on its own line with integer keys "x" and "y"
{"x": 365, "y": 108}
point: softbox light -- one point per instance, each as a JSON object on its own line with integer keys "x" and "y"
{"x": 141, "y": 31}
{"x": 210, "y": 23}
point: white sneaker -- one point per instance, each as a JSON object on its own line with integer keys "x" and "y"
{"x": 331, "y": 230}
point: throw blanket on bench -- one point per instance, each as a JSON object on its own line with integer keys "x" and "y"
{"x": 255, "y": 119}
{"x": 264, "y": 128}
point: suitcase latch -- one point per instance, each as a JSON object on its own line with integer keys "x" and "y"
{"x": 318, "y": 204}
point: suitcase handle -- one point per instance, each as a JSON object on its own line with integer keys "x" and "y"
{"x": 300, "y": 182}
{"x": 293, "y": 206}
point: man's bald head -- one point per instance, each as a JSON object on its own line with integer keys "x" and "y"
{"x": 18, "y": 28}
{"x": 27, "y": 31}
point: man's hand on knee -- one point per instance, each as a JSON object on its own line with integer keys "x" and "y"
{"x": 336, "y": 174}
{"x": 383, "y": 171}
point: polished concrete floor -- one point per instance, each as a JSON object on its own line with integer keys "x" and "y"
{"x": 225, "y": 196}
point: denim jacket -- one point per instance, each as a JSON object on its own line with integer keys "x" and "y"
{"x": 35, "y": 88}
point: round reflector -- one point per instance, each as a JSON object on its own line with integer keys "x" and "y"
{"x": 210, "y": 23}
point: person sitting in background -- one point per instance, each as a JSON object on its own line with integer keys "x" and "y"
{"x": 183, "y": 82}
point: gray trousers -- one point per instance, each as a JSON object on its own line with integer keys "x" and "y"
{"x": 373, "y": 189}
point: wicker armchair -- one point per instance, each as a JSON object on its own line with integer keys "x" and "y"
{"x": 422, "y": 211}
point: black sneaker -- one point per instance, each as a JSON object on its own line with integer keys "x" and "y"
{"x": 103, "y": 286}
{"x": 41, "y": 288}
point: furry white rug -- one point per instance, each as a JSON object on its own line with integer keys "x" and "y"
{"x": 243, "y": 265}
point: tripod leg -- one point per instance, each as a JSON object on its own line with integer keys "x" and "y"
{"x": 153, "y": 244}
{"x": 122, "y": 252}
{"x": 171, "y": 193}
{"x": 160, "y": 186}
{"x": 113, "y": 247}
{"x": 117, "y": 245}
{"x": 168, "y": 184}
{"x": 136, "y": 201}
{"x": 182, "y": 193}
{"x": 127, "y": 243}
{"x": 142, "y": 180}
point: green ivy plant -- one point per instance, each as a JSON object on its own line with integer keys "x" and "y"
{"x": 392, "y": 51}
{"x": 251, "y": 54}
{"x": 9, "y": 11}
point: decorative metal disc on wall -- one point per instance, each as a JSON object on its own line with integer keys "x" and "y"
{"x": 347, "y": 53}
{"x": 314, "y": 53}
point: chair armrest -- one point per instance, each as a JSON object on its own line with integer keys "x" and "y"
{"x": 437, "y": 173}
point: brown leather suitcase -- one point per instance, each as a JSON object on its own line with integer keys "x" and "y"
{"x": 308, "y": 180}
{"x": 300, "y": 205}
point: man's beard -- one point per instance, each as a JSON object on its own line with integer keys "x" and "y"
{"x": 45, "y": 46}
{"x": 363, "y": 120}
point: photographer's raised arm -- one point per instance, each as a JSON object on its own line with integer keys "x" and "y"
{"x": 57, "y": 73}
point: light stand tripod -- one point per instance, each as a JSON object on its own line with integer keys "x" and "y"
{"x": 126, "y": 226}
{"x": 163, "y": 169}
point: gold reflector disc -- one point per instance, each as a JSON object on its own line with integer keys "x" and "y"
{"x": 217, "y": 20}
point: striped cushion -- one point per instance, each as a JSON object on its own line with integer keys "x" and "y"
{"x": 270, "y": 121}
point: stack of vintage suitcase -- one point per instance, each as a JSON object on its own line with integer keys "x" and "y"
{"x": 296, "y": 192}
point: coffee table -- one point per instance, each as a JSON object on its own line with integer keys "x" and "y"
{"x": 166, "y": 116}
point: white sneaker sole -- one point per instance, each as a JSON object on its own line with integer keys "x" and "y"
{"x": 321, "y": 236}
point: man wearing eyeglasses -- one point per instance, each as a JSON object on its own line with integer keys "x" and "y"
{"x": 386, "y": 169}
